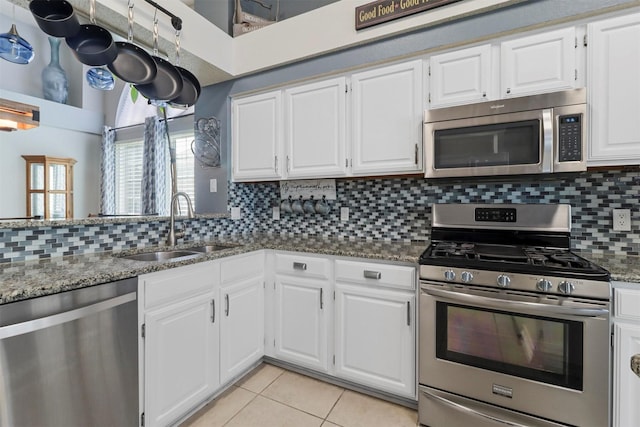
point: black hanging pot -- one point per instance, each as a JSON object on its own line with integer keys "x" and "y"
{"x": 132, "y": 63}
{"x": 92, "y": 44}
{"x": 190, "y": 90}
{"x": 55, "y": 17}
{"x": 167, "y": 84}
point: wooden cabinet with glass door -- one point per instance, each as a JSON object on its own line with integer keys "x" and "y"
{"x": 49, "y": 187}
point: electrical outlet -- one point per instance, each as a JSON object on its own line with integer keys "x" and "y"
{"x": 621, "y": 220}
{"x": 236, "y": 213}
{"x": 344, "y": 214}
{"x": 276, "y": 213}
{"x": 213, "y": 185}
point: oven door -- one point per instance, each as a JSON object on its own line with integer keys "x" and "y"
{"x": 543, "y": 356}
{"x": 502, "y": 144}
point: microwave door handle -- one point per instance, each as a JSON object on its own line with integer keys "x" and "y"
{"x": 463, "y": 408}
{"x": 547, "y": 140}
{"x": 487, "y": 302}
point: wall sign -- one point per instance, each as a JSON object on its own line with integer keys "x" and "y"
{"x": 307, "y": 188}
{"x": 380, "y": 11}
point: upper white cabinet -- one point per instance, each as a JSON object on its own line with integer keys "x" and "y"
{"x": 241, "y": 314}
{"x": 529, "y": 65}
{"x": 613, "y": 63}
{"x": 626, "y": 384}
{"x": 539, "y": 63}
{"x": 256, "y": 136}
{"x": 316, "y": 129}
{"x": 461, "y": 76}
{"x": 387, "y": 108}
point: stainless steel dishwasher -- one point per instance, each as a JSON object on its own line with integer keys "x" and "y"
{"x": 71, "y": 359}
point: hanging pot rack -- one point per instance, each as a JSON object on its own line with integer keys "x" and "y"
{"x": 176, "y": 22}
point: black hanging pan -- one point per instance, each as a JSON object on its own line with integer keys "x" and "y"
{"x": 190, "y": 84}
{"x": 167, "y": 84}
{"x": 55, "y": 17}
{"x": 93, "y": 45}
{"x": 133, "y": 64}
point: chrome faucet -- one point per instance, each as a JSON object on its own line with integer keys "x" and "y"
{"x": 171, "y": 241}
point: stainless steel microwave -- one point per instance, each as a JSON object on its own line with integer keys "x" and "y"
{"x": 529, "y": 135}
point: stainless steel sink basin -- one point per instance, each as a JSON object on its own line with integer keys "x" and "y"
{"x": 164, "y": 256}
{"x": 209, "y": 248}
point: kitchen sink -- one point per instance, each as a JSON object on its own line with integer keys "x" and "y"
{"x": 164, "y": 256}
{"x": 209, "y": 248}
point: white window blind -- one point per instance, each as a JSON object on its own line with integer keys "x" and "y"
{"x": 185, "y": 168}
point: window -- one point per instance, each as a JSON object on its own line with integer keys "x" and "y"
{"x": 129, "y": 159}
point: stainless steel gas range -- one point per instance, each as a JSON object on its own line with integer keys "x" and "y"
{"x": 514, "y": 327}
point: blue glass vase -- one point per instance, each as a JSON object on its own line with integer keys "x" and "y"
{"x": 54, "y": 80}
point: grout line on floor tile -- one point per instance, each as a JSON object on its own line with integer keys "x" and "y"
{"x": 241, "y": 409}
{"x": 334, "y": 405}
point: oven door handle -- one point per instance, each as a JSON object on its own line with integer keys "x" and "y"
{"x": 462, "y": 408}
{"x": 487, "y": 302}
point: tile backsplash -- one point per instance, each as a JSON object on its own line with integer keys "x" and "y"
{"x": 382, "y": 208}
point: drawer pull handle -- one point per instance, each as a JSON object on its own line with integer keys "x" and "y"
{"x": 369, "y": 274}
{"x": 321, "y": 298}
{"x": 635, "y": 364}
{"x": 213, "y": 311}
{"x": 408, "y": 313}
{"x": 300, "y": 266}
{"x": 226, "y": 299}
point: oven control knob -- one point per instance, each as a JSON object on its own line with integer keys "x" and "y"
{"x": 466, "y": 276}
{"x": 544, "y": 285}
{"x": 504, "y": 281}
{"x": 449, "y": 275}
{"x": 566, "y": 287}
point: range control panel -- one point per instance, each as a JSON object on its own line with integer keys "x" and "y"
{"x": 495, "y": 215}
{"x": 570, "y": 138}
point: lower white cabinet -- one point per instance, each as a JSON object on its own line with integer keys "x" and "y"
{"x": 242, "y": 314}
{"x": 302, "y": 286}
{"x": 375, "y": 327}
{"x": 626, "y": 330}
{"x": 180, "y": 342}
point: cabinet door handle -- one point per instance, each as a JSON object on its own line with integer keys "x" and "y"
{"x": 369, "y": 274}
{"x": 408, "y": 313}
{"x": 213, "y": 311}
{"x": 275, "y": 163}
{"x": 416, "y": 154}
{"x": 635, "y": 364}
{"x": 321, "y": 298}
{"x": 226, "y": 301}
{"x": 300, "y": 266}
{"x": 287, "y": 164}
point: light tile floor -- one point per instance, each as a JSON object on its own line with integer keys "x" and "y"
{"x": 273, "y": 397}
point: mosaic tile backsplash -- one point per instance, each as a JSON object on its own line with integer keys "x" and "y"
{"x": 384, "y": 208}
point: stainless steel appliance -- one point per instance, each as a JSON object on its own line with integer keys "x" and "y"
{"x": 71, "y": 359}
{"x": 514, "y": 327}
{"x": 528, "y": 135}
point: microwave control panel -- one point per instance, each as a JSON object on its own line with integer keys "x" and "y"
{"x": 570, "y": 138}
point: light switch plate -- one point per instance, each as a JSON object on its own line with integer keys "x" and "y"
{"x": 213, "y": 185}
{"x": 235, "y": 213}
{"x": 276, "y": 213}
{"x": 344, "y": 214}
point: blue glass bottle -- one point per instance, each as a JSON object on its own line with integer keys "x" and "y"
{"x": 54, "y": 80}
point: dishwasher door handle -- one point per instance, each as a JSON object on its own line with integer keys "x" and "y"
{"x": 64, "y": 317}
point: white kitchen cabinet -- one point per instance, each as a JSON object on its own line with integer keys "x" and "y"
{"x": 375, "y": 326}
{"x": 315, "y": 129}
{"x": 241, "y": 314}
{"x": 626, "y": 384}
{"x": 539, "y": 63}
{"x": 180, "y": 344}
{"x": 387, "y": 108}
{"x": 613, "y": 64}
{"x": 460, "y": 77}
{"x": 302, "y": 310}
{"x": 256, "y": 137}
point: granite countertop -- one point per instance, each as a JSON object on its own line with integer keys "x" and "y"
{"x": 32, "y": 279}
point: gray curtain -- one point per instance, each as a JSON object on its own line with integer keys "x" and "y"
{"x": 108, "y": 172}
{"x": 154, "y": 168}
